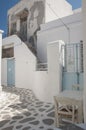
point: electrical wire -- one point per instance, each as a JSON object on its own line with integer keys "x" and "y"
{"x": 68, "y": 29}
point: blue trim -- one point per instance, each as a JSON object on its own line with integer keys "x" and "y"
{"x": 10, "y": 72}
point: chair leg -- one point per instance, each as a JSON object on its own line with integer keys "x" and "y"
{"x": 73, "y": 114}
{"x": 58, "y": 122}
{"x": 56, "y": 119}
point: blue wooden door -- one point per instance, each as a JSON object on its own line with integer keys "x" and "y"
{"x": 71, "y": 78}
{"x": 72, "y": 66}
{"x": 10, "y": 72}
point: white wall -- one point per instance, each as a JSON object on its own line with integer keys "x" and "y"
{"x": 0, "y": 55}
{"x": 45, "y": 84}
{"x": 60, "y": 7}
{"x": 42, "y": 86}
{"x": 48, "y": 83}
{"x": 84, "y": 36}
{"x": 13, "y": 39}
{"x": 25, "y": 65}
{"x": 54, "y": 67}
{"x": 55, "y": 30}
{"x": 4, "y": 72}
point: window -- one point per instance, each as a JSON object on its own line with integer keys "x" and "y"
{"x": 8, "y": 52}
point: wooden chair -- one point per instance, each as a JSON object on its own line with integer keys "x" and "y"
{"x": 65, "y": 110}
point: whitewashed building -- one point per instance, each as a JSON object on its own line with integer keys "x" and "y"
{"x": 68, "y": 29}
{"x": 19, "y": 68}
{"x": 19, "y": 53}
{"x": 24, "y": 18}
{"x": 24, "y": 50}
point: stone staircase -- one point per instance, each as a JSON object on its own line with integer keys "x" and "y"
{"x": 33, "y": 49}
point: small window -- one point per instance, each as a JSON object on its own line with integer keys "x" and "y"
{"x": 8, "y": 52}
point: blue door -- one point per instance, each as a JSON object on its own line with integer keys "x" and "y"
{"x": 70, "y": 78}
{"x": 10, "y": 72}
{"x": 72, "y": 57}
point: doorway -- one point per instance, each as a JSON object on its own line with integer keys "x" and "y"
{"x": 10, "y": 72}
{"x": 72, "y": 58}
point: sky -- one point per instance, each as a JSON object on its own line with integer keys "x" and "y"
{"x": 7, "y": 4}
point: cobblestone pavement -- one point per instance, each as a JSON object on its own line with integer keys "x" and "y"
{"x": 20, "y": 110}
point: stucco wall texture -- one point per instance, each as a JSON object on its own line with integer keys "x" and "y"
{"x": 36, "y": 14}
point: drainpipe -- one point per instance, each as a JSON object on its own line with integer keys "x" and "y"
{"x": 84, "y": 52}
